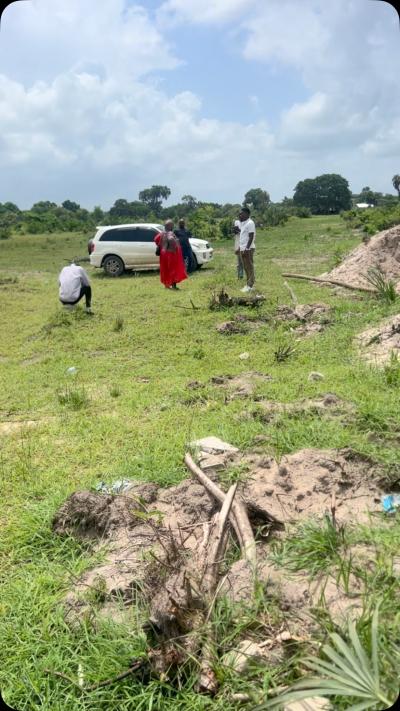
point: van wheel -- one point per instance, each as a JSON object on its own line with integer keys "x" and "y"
{"x": 196, "y": 264}
{"x": 113, "y": 266}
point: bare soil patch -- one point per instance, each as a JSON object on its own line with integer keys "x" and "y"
{"x": 382, "y": 252}
{"x": 310, "y": 318}
{"x": 241, "y": 324}
{"x": 376, "y": 344}
{"x": 242, "y": 385}
{"x": 15, "y": 426}
{"x": 326, "y": 405}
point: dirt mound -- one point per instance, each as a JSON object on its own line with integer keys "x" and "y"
{"x": 382, "y": 251}
{"x": 242, "y": 385}
{"x": 377, "y": 344}
{"x": 241, "y": 324}
{"x": 310, "y": 318}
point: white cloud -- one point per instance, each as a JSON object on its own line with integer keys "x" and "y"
{"x": 202, "y": 11}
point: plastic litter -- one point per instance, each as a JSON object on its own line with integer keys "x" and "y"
{"x": 390, "y": 502}
{"x": 72, "y": 370}
{"x": 118, "y": 487}
{"x": 244, "y": 356}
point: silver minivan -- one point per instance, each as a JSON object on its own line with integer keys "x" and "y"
{"x": 117, "y": 248}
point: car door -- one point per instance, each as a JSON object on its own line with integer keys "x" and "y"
{"x": 145, "y": 247}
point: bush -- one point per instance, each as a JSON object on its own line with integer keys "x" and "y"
{"x": 374, "y": 219}
{"x": 5, "y": 233}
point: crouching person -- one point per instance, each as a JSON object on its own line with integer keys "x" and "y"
{"x": 74, "y": 285}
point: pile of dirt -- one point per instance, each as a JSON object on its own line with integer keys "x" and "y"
{"x": 303, "y": 484}
{"x": 241, "y": 324}
{"x": 141, "y": 527}
{"x": 242, "y": 385}
{"x": 381, "y": 252}
{"x": 310, "y": 318}
{"x": 377, "y": 344}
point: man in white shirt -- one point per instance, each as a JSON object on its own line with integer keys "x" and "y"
{"x": 74, "y": 285}
{"x": 236, "y": 232}
{"x": 247, "y": 246}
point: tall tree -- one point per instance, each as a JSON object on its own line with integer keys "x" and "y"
{"x": 328, "y": 193}
{"x": 153, "y": 197}
{"x": 258, "y": 198}
{"x": 189, "y": 201}
{"x": 396, "y": 183}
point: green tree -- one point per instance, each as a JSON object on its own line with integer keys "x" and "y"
{"x": 70, "y": 205}
{"x": 43, "y": 206}
{"x": 396, "y": 183}
{"x": 368, "y": 195}
{"x": 189, "y": 201}
{"x": 153, "y": 197}
{"x": 258, "y": 198}
{"x": 325, "y": 194}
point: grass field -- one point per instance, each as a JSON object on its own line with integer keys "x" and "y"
{"x": 128, "y": 413}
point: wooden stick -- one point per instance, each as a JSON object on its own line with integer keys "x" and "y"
{"x": 291, "y": 292}
{"x": 329, "y": 281}
{"x": 239, "y": 518}
{"x": 207, "y": 680}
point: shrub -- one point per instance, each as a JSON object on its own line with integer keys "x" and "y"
{"x": 5, "y": 233}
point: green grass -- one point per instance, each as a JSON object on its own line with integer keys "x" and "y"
{"x": 128, "y": 413}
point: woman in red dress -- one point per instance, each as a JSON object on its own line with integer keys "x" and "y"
{"x": 172, "y": 266}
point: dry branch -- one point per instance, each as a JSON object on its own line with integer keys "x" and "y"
{"x": 329, "y": 281}
{"x": 239, "y": 517}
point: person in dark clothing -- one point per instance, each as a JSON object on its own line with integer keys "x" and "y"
{"x": 183, "y": 236}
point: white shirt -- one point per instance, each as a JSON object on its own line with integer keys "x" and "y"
{"x": 237, "y": 223}
{"x": 246, "y": 228}
{"x": 71, "y": 280}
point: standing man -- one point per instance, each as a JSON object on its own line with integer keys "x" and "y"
{"x": 183, "y": 236}
{"x": 247, "y": 246}
{"x": 74, "y": 285}
{"x": 236, "y": 232}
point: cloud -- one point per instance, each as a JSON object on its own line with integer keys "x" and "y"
{"x": 202, "y": 11}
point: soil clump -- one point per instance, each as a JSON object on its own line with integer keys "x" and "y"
{"x": 378, "y": 343}
{"x": 308, "y": 319}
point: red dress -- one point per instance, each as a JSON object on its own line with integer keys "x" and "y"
{"x": 172, "y": 266}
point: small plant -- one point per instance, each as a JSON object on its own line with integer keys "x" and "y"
{"x": 385, "y": 288}
{"x": 283, "y": 352}
{"x": 348, "y": 671}
{"x": 75, "y": 398}
{"x": 97, "y": 593}
{"x": 337, "y": 256}
{"x": 307, "y": 236}
{"x": 314, "y": 546}
{"x": 115, "y": 391}
{"x": 118, "y": 324}
{"x": 392, "y": 370}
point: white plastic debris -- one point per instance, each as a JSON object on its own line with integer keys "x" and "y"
{"x": 72, "y": 370}
{"x": 244, "y": 356}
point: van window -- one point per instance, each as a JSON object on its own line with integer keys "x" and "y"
{"x": 129, "y": 234}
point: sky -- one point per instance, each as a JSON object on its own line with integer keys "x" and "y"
{"x": 100, "y": 99}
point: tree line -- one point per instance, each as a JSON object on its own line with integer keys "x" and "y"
{"x": 326, "y": 194}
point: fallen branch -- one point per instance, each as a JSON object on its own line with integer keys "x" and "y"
{"x": 238, "y": 517}
{"x": 329, "y": 281}
{"x": 208, "y": 681}
{"x": 292, "y": 294}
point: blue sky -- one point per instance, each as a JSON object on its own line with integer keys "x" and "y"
{"x": 101, "y": 99}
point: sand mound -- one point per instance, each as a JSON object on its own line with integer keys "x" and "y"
{"x": 382, "y": 251}
{"x": 377, "y": 344}
{"x": 135, "y": 529}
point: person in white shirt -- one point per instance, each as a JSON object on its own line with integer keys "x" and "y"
{"x": 74, "y": 285}
{"x": 247, "y": 246}
{"x": 236, "y": 232}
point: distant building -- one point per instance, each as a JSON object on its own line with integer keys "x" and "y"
{"x": 363, "y": 205}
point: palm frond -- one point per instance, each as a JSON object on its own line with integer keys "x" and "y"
{"x": 346, "y": 671}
